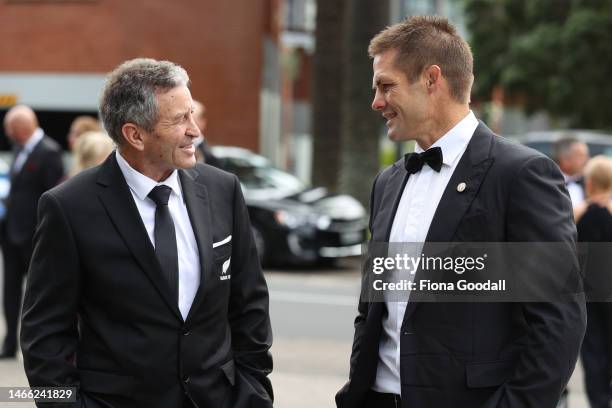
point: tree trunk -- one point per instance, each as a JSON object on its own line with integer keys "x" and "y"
{"x": 361, "y": 126}
{"x": 327, "y": 93}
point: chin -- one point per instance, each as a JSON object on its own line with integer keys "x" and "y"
{"x": 398, "y": 137}
{"x": 186, "y": 164}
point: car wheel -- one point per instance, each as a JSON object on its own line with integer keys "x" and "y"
{"x": 260, "y": 244}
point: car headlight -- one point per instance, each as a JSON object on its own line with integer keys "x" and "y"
{"x": 323, "y": 222}
{"x": 294, "y": 219}
{"x": 290, "y": 219}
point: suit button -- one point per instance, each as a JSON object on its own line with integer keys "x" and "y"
{"x": 186, "y": 379}
{"x": 186, "y": 333}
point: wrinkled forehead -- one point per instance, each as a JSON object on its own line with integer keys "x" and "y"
{"x": 174, "y": 101}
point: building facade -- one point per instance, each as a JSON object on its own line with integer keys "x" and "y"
{"x": 55, "y": 54}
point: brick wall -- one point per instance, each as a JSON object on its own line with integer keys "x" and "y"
{"x": 219, "y": 42}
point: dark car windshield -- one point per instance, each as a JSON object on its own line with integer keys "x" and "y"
{"x": 260, "y": 180}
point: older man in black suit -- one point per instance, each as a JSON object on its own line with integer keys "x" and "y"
{"x": 145, "y": 288}
{"x": 462, "y": 184}
{"x": 36, "y": 167}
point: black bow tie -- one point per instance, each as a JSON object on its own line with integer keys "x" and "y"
{"x": 414, "y": 161}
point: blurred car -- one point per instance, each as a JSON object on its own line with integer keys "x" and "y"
{"x": 291, "y": 222}
{"x": 543, "y": 141}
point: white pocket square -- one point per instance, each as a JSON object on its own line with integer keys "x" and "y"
{"x": 222, "y": 242}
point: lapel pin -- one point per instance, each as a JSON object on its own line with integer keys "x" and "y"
{"x": 461, "y": 187}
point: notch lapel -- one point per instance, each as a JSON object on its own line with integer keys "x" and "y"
{"x": 121, "y": 208}
{"x": 198, "y": 207}
{"x": 394, "y": 189}
{"x": 471, "y": 170}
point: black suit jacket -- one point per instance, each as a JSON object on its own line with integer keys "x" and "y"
{"x": 42, "y": 170}
{"x": 98, "y": 313}
{"x": 509, "y": 355}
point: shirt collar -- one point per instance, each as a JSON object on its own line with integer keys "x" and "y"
{"x": 454, "y": 141}
{"x": 142, "y": 185}
{"x": 33, "y": 140}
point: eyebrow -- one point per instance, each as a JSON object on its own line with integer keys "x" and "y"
{"x": 181, "y": 114}
{"x": 377, "y": 82}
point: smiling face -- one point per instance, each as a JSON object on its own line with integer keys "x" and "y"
{"x": 169, "y": 145}
{"x": 405, "y": 105}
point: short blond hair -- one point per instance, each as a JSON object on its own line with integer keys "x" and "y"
{"x": 599, "y": 171}
{"x": 91, "y": 149}
{"x": 421, "y": 41}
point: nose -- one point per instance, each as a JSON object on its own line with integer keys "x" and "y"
{"x": 379, "y": 101}
{"x": 192, "y": 130}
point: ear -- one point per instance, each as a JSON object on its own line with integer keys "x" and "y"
{"x": 133, "y": 135}
{"x": 432, "y": 76}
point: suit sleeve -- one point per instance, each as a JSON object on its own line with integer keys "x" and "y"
{"x": 248, "y": 315}
{"x": 53, "y": 170}
{"x": 362, "y": 313}
{"x": 539, "y": 211}
{"x": 49, "y": 332}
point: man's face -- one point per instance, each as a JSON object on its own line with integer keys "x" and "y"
{"x": 17, "y": 130}
{"x": 405, "y": 106}
{"x": 578, "y": 157}
{"x": 170, "y": 145}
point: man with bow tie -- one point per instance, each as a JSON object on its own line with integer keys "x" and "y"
{"x": 37, "y": 166}
{"x": 462, "y": 184}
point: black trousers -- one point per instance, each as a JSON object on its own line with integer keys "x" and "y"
{"x": 596, "y": 354}
{"x": 16, "y": 262}
{"x": 378, "y": 400}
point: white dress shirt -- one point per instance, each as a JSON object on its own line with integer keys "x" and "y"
{"x": 415, "y": 212}
{"x": 575, "y": 190}
{"x": 22, "y": 157}
{"x": 188, "y": 255}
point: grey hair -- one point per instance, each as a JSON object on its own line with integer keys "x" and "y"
{"x": 563, "y": 146}
{"x": 129, "y": 93}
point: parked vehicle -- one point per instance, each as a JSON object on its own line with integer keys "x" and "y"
{"x": 543, "y": 141}
{"x": 292, "y": 222}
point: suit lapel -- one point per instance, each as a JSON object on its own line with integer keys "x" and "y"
{"x": 392, "y": 194}
{"x": 119, "y": 203}
{"x": 198, "y": 207}
{"x": 471, "y": 170}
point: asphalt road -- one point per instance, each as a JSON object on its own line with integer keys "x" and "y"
{"x": 312, "y": 312}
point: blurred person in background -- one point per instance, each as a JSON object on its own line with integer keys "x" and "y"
{"x": 36, "y": 167}
{"x": 80, "y": 125}
{"x": 203, "y": 152}
{"x": 157, "y": 298}
{"x": 572, "y": 155}
{"x": 462, "y": 184}
{"x": 91, "y": 149}
{"x": 594, "y": 223}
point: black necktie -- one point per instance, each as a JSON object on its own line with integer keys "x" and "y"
{"x": 165, "y": 237}
{"x": 414, "y": 161}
